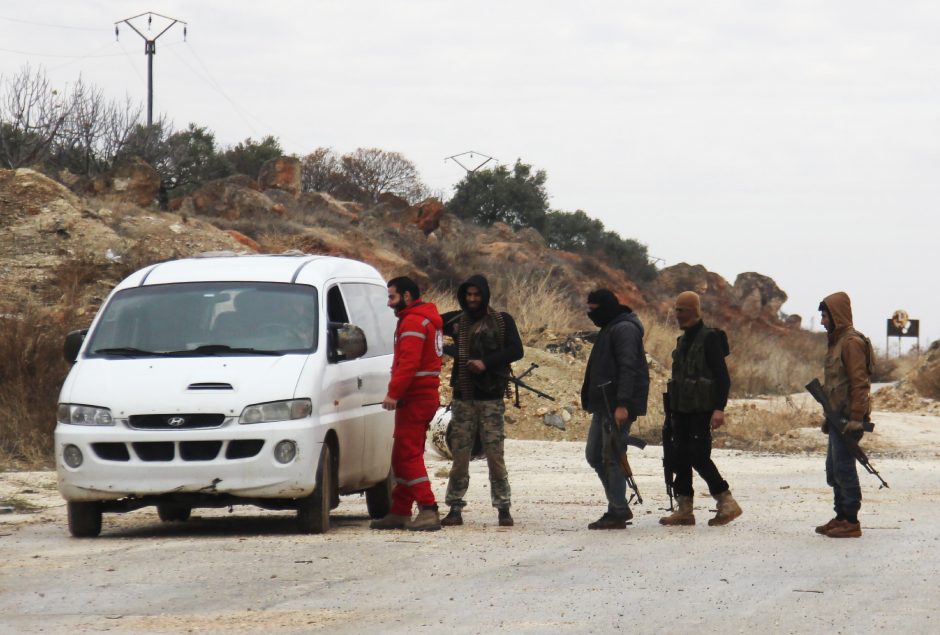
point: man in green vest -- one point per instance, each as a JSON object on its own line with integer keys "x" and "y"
{"x": 698, "y": 394}
{"x": 847, "y": 384}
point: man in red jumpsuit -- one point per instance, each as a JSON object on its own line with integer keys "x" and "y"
{"x": 413, "y": 395}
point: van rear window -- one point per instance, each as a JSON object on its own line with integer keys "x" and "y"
{"x": 207, "y": 318}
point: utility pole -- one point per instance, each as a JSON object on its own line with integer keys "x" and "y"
{"x": 150, "y": 49}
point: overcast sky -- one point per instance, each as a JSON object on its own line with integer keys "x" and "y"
{"x": 797, "y": 139}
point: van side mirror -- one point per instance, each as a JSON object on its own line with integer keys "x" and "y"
{"x": 346, "y": 341}
{"x": 73, "y": 343}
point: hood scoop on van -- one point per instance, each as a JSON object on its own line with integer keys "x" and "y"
{"x": 210, "y": 385}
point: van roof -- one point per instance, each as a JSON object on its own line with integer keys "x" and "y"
{"x": 300, "y": 268}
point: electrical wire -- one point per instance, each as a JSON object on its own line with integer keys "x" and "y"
{"x": 56, "y": 26}
{"x": 77, "y": 57}
{"x": 215, "y": 86}
{"x": 243, "y": 111}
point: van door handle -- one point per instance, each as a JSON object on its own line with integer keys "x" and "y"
{"x": 359, "y": 381}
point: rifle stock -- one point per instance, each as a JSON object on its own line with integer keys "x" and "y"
{"x": 837, "y": 421}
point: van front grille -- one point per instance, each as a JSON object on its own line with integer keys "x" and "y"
{"x": 243, "y": 448}
{"x": 166, "y": 451}
{"x": 111, "y": 451}
{"x": 176, "y": 421}
{"x": 199, "y": 450}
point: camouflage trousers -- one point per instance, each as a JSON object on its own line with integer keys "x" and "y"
{"x": 469, "y": 419}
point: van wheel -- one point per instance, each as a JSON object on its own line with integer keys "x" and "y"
{"x": 379, "y": 498}
{"x": 84, "y": 519}
{"x": 313, "y": 512}
{"x": 168, "y": 512}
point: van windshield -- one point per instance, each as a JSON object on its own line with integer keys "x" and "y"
{"x": 207, "y": 319}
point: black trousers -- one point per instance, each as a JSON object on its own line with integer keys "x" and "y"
{"x": 692, "y": 440}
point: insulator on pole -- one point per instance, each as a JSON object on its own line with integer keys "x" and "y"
{"x": 184, "y": 33}
{"x": 149, "y": 20}
{"x": 117, "y": 33}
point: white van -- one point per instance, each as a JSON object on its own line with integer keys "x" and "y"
{"x": 224, "y": 380}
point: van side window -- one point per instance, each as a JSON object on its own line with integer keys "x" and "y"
{"x": 368, "y": 306}
{"x": 335, "y": 307}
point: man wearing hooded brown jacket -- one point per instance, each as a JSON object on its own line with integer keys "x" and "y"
{"x": 847, "y": 384}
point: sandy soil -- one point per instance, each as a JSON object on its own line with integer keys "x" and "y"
{"x": 247, "y": 572}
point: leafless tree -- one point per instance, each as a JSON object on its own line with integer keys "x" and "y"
{"x": 32, "y": 114}
{"x": 376, "y": 171}
{"x": 95, "y": 130}
{"x": 321, "y": 171}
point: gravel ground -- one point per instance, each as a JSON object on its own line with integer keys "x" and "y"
{"x": 247, "y": 572}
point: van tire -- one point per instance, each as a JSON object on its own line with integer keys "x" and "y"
{"x": 313, "y": 512}
{"x": 168, "y": 512}
{"x": 84, "y": 519}
{"x": 379, "y": 498}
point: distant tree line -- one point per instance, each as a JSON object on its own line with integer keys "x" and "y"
{"x": 518, "y": 198}
{"x": 82, "y": 131}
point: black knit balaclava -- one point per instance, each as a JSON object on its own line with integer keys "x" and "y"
{"x": 608, "y": 307}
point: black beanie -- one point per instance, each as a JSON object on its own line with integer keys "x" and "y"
{"x": 603, "y": 298}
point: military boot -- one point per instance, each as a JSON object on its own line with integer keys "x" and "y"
{"x": 505, "y": 518}
{"x": 609, "y": 521}
{"x": 728, "y": 510}
{"x": 428, "y": 519}
{"x": 823, "y": 529}
{"x": 845, "y": 529}
{"x": 682, "y": 516}
{"x": 453, "y": 518}
{"x": 390, "y": 521}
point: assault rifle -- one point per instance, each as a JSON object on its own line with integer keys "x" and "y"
{"x": 517, "y": 381}
{"x": 617, "y": 446}
{"x": 839, "y": 422}
{"x": 669, "y": 452}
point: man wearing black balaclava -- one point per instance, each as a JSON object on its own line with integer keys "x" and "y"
{"x": 618, "y": 363}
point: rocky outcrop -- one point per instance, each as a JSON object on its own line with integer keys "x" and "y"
{"x": 758, "y": 296}
{"x": 426, "y": 215}
{"x": 753, "y": 297}
{"x": 59, "y": 247}
{"x": 133, "y": 180}
{"x": 231, "y": 198}
{"x": 323, "y": 203}
{"x": 282, "y": 174}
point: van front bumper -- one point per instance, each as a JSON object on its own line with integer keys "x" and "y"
{"x": 238, "y": 460}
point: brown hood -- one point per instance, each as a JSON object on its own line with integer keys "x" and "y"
{"x": 840, "y": 309}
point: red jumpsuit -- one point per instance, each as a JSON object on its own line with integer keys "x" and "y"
{"x": 416, "y": 376}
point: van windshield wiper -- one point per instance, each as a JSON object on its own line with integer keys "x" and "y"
{"x": 127, "y": 351}
{"x": 214, "y": 349}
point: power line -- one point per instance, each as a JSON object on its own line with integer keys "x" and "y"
{"x": 77, "y": 57}
{"x": 53, "y": 26}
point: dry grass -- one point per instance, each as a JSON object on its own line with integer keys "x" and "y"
{"x": 760, "y": 363}
{"x": 31, "y": 372}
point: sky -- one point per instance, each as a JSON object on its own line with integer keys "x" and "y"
{"x": 797, "y": 139}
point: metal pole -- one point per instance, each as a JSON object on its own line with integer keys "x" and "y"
{"x": 150, "y": 47}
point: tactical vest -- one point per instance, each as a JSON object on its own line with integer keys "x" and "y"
{"x": 836, "y": 379}
{"x": 693, "y": 387}
{"x": 483, "y": 337}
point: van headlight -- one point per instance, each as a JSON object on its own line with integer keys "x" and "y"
{"x": 276, "y": 411}
{"x": 79, "y": 415}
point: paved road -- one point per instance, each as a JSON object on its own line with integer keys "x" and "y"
{"x": 247, "y": 572}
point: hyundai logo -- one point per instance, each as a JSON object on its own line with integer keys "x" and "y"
{"x": 175, "y": 422}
